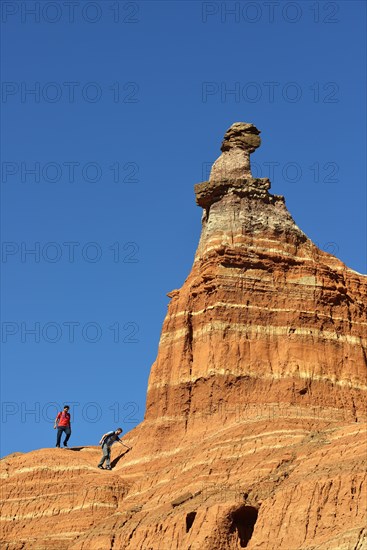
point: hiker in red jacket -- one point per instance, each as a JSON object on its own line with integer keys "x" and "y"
{"x": 62, "y": 423}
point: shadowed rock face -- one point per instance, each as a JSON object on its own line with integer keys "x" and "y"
{"x": 255, "y": 428}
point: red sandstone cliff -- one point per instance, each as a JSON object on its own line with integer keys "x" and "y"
{"x": 255, "y": 429}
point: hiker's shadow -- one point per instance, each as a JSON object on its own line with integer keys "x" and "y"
{"x": 118, "y": 458}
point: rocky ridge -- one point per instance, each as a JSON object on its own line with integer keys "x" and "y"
{"x": 255, "y": 428}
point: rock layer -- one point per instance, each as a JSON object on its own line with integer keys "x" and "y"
{"x": 255, "y": 428}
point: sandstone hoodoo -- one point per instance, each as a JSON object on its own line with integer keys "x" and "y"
{"x": 255, "y": 428}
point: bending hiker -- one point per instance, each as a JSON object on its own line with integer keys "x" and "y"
{"x": 62, "y": 423}
{"x": 107, "y": 440}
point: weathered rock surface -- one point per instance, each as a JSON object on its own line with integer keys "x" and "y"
{"x": 255, "y": 429}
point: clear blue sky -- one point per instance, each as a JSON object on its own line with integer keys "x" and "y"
{"x": 130, "y": 104}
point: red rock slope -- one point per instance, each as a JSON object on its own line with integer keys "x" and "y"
{"x": 255, "y": 429}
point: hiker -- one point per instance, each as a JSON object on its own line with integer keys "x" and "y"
{"x": 62, "y": 423}
{"x": 107, "y": 440}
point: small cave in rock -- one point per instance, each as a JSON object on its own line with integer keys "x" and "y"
{"x": 190, "y": 518}
{"x": 243, "y": 521}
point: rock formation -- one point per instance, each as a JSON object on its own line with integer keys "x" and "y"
{"x": 255, "y": 428}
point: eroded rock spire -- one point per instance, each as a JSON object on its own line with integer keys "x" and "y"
{"x": 240, "y": 140}
{"x": 232, "y": 170}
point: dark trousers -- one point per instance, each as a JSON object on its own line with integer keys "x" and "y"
{"x": 106, "y": 456}
{"x": 60, "y": 430}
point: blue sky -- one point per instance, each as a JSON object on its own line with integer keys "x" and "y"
{"x": 129, "y": 106}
